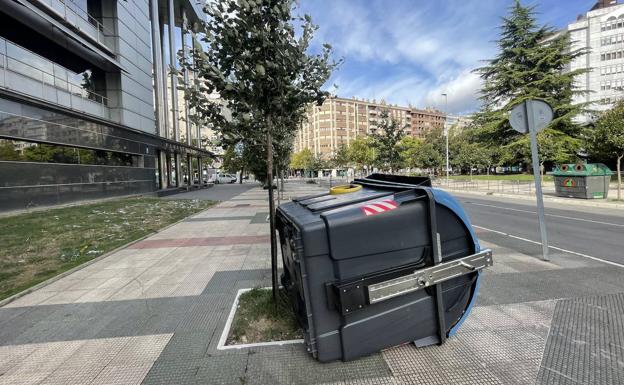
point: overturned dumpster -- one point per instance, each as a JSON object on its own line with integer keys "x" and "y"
{"x": 378, "y": 263}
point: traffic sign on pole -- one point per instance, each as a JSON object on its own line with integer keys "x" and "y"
{"x": 541, "y": 116}
{"x": 532, "y": 116}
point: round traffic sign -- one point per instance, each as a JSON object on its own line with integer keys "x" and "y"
{"x": 539, "y": 115}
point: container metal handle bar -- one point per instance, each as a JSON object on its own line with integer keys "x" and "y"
{"x": 430, "y": 276}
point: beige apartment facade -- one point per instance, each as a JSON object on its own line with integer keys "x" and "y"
{"x": 339, "y": 121}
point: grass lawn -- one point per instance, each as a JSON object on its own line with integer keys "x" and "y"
{"x": 258, "y": 319}
{"x": 42, "y": 244}
{"x": 522, "y": 177}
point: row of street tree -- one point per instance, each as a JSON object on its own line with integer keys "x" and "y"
{"x": 532, "y": 62}
{"x": 389, "y": 149}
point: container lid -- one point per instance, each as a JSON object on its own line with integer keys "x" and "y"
{"x": 582, "y": 169}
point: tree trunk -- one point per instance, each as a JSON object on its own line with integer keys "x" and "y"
{"x": 242, "y": 171}
{"x": 282, "y": 183}
{"x": 277, "y": 184}
{"x": 619, "y": 175}
{"x": 470, "y": 173}
{"x": 272, "y": 210}
{"x": 542, "y": 173}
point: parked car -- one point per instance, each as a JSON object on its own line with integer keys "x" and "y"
{"x": 225, "y": 178}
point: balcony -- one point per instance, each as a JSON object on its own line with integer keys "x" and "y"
{"x": 27, "y": 73}
{"x": 81, "y": 20}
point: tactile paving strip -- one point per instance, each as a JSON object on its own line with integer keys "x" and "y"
{"x": 499, "y": 344}
{"x": 586, "y": 342}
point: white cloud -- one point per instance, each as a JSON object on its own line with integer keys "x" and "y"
{"x": 462, "y": 93}
{"x": 426, "y": 48}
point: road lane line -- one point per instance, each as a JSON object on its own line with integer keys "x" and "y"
{"x": 549, "y": 215}
{"x": 551, "y": 247}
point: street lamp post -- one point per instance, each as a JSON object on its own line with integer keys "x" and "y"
{"x": 446, "y": 134}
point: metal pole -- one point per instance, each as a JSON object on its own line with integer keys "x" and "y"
{"x": 274, "y": 277}
{"x": 528, "y": 112}
{"x": 446, "y": 133}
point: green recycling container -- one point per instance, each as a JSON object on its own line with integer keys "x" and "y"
{"x": 582, "y": 180}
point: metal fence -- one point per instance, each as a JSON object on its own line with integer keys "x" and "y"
{"x": 499, "y": 186}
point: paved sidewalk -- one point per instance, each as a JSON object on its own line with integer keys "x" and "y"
{"x": 153, "y": 314}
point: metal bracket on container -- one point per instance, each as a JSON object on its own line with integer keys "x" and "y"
{"x": 430, "y": 276}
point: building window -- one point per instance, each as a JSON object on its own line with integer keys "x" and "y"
{"x": 23, "y": 151}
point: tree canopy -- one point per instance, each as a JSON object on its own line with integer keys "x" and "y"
{"x": 386, "y": 137}
{"x": 255, "y": 55}
{"x": 532, "y": 62}
{"x": 608, "y": 138}
{"x": 265, "y": 75}
{"x": 360, "y": 152}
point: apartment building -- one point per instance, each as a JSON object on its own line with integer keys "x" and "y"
{"x": 89, "y": 106}
{"x": 458, "y": 122}
{"x": 601, "y": 32}
{"x": 338, "y": 121}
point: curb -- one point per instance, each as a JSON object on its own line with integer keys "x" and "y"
{"x": 547, "y": 198}
{"x": 64, "y": 274}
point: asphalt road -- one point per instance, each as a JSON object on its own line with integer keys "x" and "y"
{"x": 593, "y": 233}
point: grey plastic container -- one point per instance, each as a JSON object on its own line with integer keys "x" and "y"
{"x": 585, "y": 181}
{"x": 330, "y": 246}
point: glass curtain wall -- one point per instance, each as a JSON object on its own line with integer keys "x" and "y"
{"x": 164, "y": 41}
{"x": 179, "y": 49}
{"x": 189, "y": 38}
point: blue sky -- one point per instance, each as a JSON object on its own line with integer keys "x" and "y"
{"x": 411, "y": 51}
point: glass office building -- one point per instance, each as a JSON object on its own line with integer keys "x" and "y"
{"x": 89, "y": 100}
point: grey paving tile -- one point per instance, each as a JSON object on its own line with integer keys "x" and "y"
{"x": 31, "y": 378}
{"x": 11, "y": 356}
{"x": 95, "y": 354}
{"x": 72, "y": 375}
{"x": 47, "y": 357}
{"x": 586, "y": 342}
{"x": 126, "y": 375}
{"x": 166, "y": 372}
{"x": 295, "y": 366}
{"x": 259, "y": 218}
{"x": 187, "y": 345}
{"x": 143, "y": 349}
{"x": 224, "y": 370}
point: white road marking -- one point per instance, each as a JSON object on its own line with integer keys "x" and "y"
{"x": 549, "y": 215}
{"x": 551, "y": 246}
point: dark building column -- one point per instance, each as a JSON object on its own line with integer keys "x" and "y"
{"x": 176, "y": 165}
{"x": 200, "y": 170}
{"x": 168, "y": 161}
{"x": 189, "y": 161}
